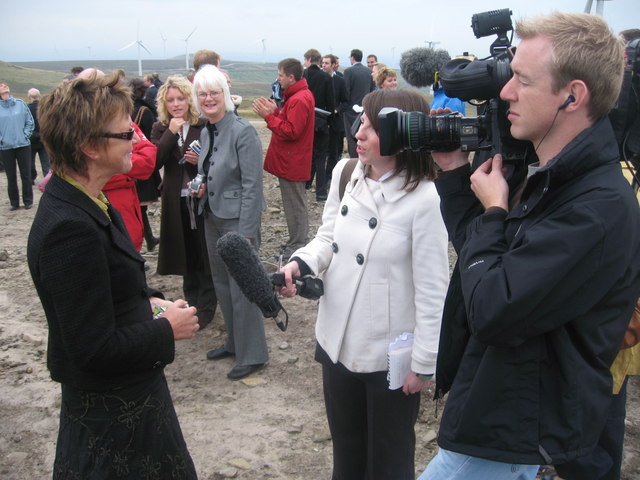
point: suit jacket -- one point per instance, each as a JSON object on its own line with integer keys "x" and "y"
{"x": 321, "y": 86}
{"x": 358, "y": 83}
{"x": 91, "y": 282}
{"x": 234, "y": 178}
{"x": 342, "y": 103}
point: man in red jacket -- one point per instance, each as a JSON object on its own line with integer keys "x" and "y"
{"x": 291, "y": 148}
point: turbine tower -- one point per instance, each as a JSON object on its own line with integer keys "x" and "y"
{"x": 164, "y": 45}
{"x": 264, "y": 50}
{"x": 599, "y": 7}
{"x": 186, "y": 48}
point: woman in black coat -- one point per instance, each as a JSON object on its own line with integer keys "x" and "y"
{"x": 183, "y": 250}
{"x": 106, "y": 347}
{"x": 148, "y": 190}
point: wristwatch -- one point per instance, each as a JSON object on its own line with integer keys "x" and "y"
{"x": 424, "y": 377}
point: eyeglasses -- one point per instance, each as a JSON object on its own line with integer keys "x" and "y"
{"x": 214, "y": 94}
{"x": 122, "y": 136}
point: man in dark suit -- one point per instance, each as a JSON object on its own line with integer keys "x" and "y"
{"x": 336, "y": 122}
{"x": 358, "y": 83}
{"x": 321, "y": 86}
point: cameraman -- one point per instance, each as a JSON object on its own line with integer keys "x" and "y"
{"x": 548, "y": 271}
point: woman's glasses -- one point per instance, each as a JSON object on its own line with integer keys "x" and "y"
{"x": 122, "y": 136}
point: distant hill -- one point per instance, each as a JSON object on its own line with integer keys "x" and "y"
{"x": 250, "y": 79}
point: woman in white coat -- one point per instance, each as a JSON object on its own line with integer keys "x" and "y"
{"x": 382, "y": 251}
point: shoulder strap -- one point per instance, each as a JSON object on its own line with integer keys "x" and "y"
{"x": 346, "y": 175}
{"x": 141, "y": 111}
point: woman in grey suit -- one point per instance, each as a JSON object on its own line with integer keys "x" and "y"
{"x": 231, "y": 200}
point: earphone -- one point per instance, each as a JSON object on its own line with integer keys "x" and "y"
{"x": 569, "y": 100}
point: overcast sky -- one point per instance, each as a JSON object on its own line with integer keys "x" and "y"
{"x": 86, "y": 29}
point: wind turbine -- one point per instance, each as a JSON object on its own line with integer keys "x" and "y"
{"x": 186, "y": 48}
{"x": 599, "y": 7}
{"x": 264, "y": 50}
{"x": 164, "y": 45}
{"x": 140, "y": 45}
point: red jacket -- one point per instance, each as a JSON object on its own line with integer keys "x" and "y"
{"x": 121, "y": 188}
{"x": 291, "y": 147}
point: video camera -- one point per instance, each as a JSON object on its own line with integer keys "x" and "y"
{"x": 479, "y": 80}
{"x": 624, "y": 116}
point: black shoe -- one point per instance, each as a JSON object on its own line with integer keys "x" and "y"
{"x": 28, "y": 206}
{"x": 321, "y": 198}
{"x": 218, "y": 353}
{"x": 152, "y": 242}
{"x": 14, "y": 208}
{"x": 241, "y": 371}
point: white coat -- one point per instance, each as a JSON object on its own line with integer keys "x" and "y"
{"x": 385, "y": 269}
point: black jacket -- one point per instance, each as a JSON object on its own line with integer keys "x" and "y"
{"x": 548, "y": 292}
{"x": 91, "y": 282}
{"x": 321, "y": 86}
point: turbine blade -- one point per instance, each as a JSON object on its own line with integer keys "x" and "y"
{"x": 127, "y": 46}
{"x": 140, "y": 43}
{"x": 188, "y": 36}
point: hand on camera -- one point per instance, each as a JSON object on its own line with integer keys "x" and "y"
{"x": 489, "y": 184}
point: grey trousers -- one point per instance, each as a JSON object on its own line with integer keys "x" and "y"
{"x": 244, "y": 322}
{"x": 294, "y": 202}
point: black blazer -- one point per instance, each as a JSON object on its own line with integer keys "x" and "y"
{"x": 358, "y": 83}
{"x": 92, "y": 286}
{"x": 342, "y": 103}
{"x": 321, "y": 86}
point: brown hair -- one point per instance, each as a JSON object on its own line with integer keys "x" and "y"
{"x": 77, "y": 113}
{"x": 185, "y": 88}
{"x": 416, "y": 165}
{"x": 313, "y": 55}
{"x": 584, "y": 48}
{"x": 205, "y": 57}
{"x": 382, "y": 74}
{"x": 291, "y": 66}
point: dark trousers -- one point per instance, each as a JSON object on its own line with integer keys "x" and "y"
{"x": 349, "y": 118}
{"x": 372, "y": 427}
{"x": 336, "y": 147}
{"x": 319, "y": 163}
{"x": 605, "y": 461}
{"x": 38, "y": 148}
{"x": 197, "y": 283}
{"x": 22, "y": 158}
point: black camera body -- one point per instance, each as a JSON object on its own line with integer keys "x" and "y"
{"x": 479, "y": 80}
{"x": 625, "y": 116}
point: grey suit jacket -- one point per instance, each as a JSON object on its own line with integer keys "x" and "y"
{"x": 234, "y": 178}
{"x": 358, "y": 82}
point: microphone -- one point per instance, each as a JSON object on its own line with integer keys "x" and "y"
{"x": 418, "y": 66}
{"x": 245, "y": 268}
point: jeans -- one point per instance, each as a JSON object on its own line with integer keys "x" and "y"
{"x": 448, "y": 465}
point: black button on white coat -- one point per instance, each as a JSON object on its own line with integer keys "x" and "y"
{"x": 360, "y": 259}
{"x": 373, "y": 222}
{"x": 334, "y": 247}
{"x": 344, "y": 210}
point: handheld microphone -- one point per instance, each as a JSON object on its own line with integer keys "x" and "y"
{"x": 418, "y": 66}
{"x": 245, "y": 268}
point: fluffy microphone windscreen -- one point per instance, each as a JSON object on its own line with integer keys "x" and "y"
{"x": 245, "y": 268}
{"x": 419, "y": 65}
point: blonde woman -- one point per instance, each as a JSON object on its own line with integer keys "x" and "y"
{"x": 183, "y": 248}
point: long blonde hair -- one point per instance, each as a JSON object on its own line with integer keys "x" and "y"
{"x": 184, "y": 86}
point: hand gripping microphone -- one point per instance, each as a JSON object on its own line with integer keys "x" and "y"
{"x": 246, "y": 269}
